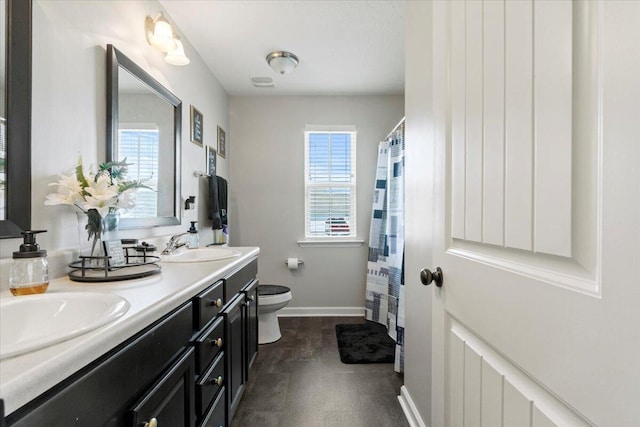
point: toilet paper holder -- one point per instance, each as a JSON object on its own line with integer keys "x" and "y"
{"x": 300, "y": 262}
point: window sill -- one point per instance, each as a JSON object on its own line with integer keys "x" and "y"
{"x": 326, "y": 243}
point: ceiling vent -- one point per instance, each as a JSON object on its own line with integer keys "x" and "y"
{"x": 262, "y": 82}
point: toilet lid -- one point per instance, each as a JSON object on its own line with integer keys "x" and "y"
{"x": 272, "y": 289}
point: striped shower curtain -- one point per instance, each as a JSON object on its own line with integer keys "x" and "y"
{"x": 385, "y": 268}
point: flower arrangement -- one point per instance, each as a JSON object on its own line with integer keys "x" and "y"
{"x": 96, "y": 194}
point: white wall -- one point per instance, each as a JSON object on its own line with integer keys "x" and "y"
{"x": 419, "y": 205}
{"x": 266, "y": 146}
{"x": 69, "y": 104}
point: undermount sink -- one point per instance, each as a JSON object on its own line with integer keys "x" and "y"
{"x": 32, "y": 322}
{"x": 201, "y": 255}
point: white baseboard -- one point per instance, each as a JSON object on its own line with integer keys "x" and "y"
{"x": 321, "y": 312}
{"x": 409, "y": 409}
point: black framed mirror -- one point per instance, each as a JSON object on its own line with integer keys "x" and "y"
{"x": 144, "y": 125}
{"x": 15, "y": 129}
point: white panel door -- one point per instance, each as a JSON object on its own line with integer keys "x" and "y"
{"x": 537, "y": 213}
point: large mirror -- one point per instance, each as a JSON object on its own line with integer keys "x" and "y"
{"x": 15, "y": 117}
{"x": 144, "y": 127}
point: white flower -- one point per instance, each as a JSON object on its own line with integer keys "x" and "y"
{"x": 71, "y": 183}
{"x": 100, "y": 191}
{"x": 69, "y": 191}
{"x": 127, "y": 199}
{"x": 102, "y": 194}
{"x": 59, "y": 198}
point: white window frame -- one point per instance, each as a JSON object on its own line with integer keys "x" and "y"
{"x": 309, "y": 185}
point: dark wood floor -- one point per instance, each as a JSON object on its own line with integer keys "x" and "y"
{"x": 300, "y": 381}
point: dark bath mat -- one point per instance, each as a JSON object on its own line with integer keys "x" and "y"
{"x": 365, "y": 343}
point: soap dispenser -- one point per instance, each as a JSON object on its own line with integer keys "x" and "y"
{"x": 29, "y": 271}
{"x": 193, "y": 240}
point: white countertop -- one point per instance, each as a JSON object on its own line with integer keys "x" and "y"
{"x": 24, "y": 377}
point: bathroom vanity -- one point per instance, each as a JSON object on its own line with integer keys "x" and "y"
{"x": 179, "y": 357}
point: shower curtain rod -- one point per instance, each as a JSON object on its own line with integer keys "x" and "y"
{"x": 395, "y": 129}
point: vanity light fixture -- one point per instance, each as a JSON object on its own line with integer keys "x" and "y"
{"x": 282, "y": 62}
{"x": 177, "y": 56}
{"x": 160, "y": 34}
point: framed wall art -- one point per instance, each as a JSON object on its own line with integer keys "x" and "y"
{"x": 211, "y": 161}
{"x": 222, "y": 143}
{"x": 196, "y": 126}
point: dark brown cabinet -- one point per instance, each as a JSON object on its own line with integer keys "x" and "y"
{"x": 226, "y": 344}
{"x": 188, "y": 369}
{"x": 108, "y": 391}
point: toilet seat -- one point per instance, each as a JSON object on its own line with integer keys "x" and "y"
{"x": 265, "y": 300}
{"x": 272, "y": 289}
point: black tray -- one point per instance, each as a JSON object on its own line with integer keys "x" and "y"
{"x": 135, "y": 268}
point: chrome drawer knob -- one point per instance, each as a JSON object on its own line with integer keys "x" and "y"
{"x": 216, "y": 381}
{"x": 152, "y": 423}
{"x": 217, "y": 342}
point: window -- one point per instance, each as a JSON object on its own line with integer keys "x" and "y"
{"x": 139, "y": 144}
{"x": 330, "y": 181}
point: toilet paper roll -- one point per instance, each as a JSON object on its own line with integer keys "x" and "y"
{"x": 292, "y": 263}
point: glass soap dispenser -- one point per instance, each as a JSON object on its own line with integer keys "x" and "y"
{"x": 193, "y": 240}
{"x": 29, "y": 271}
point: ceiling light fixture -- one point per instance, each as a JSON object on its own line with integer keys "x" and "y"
{"x": 160, "y": 34}
{"x": 282, "y": 62}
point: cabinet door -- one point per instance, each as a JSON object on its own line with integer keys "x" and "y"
{"x": 234, "y": 353}
{"x": 251, "y": 302}
{"x": 170, "y": 401}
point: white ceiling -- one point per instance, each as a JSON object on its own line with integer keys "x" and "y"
{"x": 345, "y": 47}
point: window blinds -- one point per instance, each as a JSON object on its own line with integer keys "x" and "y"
{"x": 330, "y": 183}
{"x": 140, "y": 148}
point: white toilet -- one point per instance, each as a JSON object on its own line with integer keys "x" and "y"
{"x": 271, "y": 298}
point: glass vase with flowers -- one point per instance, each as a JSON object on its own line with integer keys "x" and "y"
{"x": 99, "y": 196}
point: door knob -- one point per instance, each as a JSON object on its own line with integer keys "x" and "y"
{"x": 427, "y": 276}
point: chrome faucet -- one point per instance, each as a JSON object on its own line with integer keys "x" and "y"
{"x": 173, "y": 244}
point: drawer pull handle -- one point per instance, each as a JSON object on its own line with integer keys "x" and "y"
{"x": 217, "y": 342}
{"x": 252, "y": 298}
{"x": 216, "y": 381}
{"x": 152, "y": 423}
{"x": 217, "y": 302}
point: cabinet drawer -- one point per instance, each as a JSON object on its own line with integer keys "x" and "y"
{"x": 209, "y": 384}
{"x": 215, "y": 416}
{"x": 238, "y": 280}
{"x": 209, "y": 344}
{"x": 207, "y": 304}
